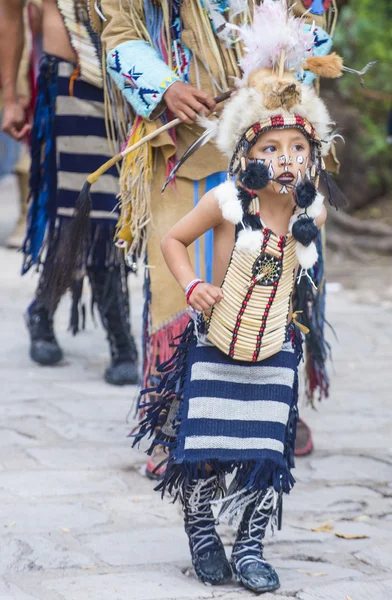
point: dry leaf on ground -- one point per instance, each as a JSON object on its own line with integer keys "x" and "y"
{"x": 348, "y": 536}
{"x": 320, "y": 574}
{"x": 327, "y": 528}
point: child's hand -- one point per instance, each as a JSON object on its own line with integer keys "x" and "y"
{"x": 204, "y": 296}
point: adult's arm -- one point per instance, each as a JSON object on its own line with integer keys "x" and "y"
{"x": 12, "y": 41}
{"x": 138, "y": 70}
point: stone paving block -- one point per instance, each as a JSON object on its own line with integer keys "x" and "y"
{"x": 112, "y": 458}
{"x": 350, "y": 469}
{"x": 29, "y": 431}
{"x": 90, "y": 431}
{"x": 306, "y": 498}
{"x": 159, "y": 583}
{"x": 96, "y": 403}
{"x": 140, "y": 546}
{"x": 15, "y": 458}
{"x": 296, "y": 575}
{"x": 374, "y": 589}
{"x": 9, "y": 591}
{"x": 378, "y": 556}
{"x": 47, "y": 516}
{"x": 31, "y": 407}
{"x": 57, "y": 483}
{"x": 144, "y": 511}
{"x": 35, "y": 552}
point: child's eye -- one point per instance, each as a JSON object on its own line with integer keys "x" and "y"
{"x": 298, "y": 148}
{"x": 269, "y": 149}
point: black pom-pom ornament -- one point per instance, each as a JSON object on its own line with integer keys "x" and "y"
{"x": 304, "y": 230}
{"x": 255, "y": 176}
{"x": 305, "y": 193}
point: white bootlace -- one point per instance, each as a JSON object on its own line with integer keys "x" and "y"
{"x": 249, "y": 548}
{"x": 200, "y": 521}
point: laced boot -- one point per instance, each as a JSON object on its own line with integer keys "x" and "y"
{"x": 247, "y": 557}
{"x": 207, "y": 551}
{"x": 110, "y": 292}
{"x": 44, "y": 348}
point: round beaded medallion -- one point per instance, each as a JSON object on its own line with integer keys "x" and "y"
{"x": 267, "y": 269}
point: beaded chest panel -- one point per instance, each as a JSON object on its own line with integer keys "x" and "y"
{"x": 250, "y": 322}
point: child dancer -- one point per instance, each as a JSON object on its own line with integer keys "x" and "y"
{"x": 228, "y": 397}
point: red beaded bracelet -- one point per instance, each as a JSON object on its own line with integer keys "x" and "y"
{"x": 190, "y": 291}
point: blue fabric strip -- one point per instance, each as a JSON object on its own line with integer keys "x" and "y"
{"x": 212, "y": 181}
{"x": 223, "y": 455}
{"x": 233, "y": 428}
{"x": 212, "y": 354}
{"x": 80, "y": 125}
{"x": 84, "y": 163}
{"x": 223, "y": 389}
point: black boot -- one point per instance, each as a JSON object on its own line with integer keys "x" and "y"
{"x": 207, "y": 551}
{"x": 110, "y": 293}
{"x": 247, "y": 557}
{"x": 44, "y": 348}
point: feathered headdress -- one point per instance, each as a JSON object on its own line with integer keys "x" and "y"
{"x": 270, "y": 95}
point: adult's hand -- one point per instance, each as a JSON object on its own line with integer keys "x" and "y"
{"x": 186, "y": 102}
{"x": 14, "y": 121}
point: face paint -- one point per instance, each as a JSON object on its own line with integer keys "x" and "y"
{"x": 282, "y": 159}
{"x": 300, "y": 160}
{"x": 283, "y": 190}
{"x": 271, "y": 172}
{"x": 307, "y": 170}
{"x": 299, "y": 178}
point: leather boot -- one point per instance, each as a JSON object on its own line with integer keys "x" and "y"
{"x": 207, "y": 551}
{"x": 110, "y": 293}
{"x": 44, "y": 348}
{"x": 247, "y": 558}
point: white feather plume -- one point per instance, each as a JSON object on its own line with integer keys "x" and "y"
{"x": 226, "y": 195}
{"x": 307, "y": 255}
{"x": 272, "y": 31}
{"x": 249, "y": 240}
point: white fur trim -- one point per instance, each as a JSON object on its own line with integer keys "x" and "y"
{"x": 226, "y": 194}
{"x": 247, "y": 107}
{"x": 316, "y": 208}
{"x": 208, "y": 124}
{"x": 249, "y": 240}
{"x": 307, "y": 255}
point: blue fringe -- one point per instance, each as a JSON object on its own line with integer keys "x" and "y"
{"x": 43, "y": 179}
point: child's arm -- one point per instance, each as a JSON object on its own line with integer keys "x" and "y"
{"x": 206, "y": 215}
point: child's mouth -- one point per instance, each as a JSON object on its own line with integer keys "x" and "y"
{"x": 285, "y": 178}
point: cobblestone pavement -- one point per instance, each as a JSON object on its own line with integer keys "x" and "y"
{"x": 78, "y": 520}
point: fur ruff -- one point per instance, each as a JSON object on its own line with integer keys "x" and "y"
{"x": 247, "y": 107}
{"x": 249, "y": 240}
{"x": 307, "y": 255}
{"x": 226, "y": 195}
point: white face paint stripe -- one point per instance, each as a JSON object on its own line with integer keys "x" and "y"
{"x": 271, "y": 172}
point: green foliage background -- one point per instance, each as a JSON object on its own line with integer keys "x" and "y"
{"x": 363, "y": 34}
